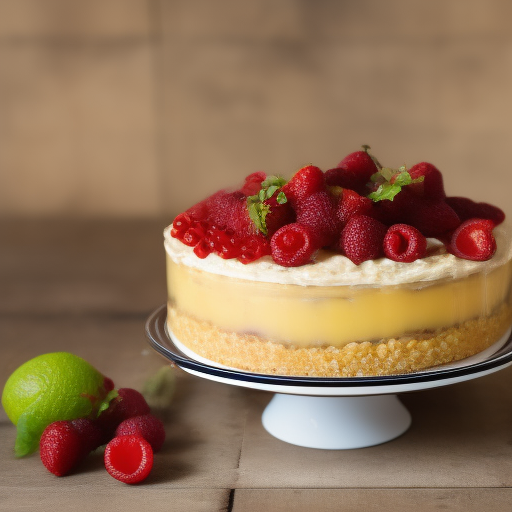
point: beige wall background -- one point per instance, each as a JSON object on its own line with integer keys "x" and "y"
{"x": 141, "y": 107}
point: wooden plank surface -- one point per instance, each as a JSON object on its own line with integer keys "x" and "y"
{"x": 88, "y": 286}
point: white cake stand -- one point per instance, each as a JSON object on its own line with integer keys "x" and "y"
{"x": 330, "y": 413}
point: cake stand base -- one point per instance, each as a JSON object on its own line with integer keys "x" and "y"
{"x": 335, "y": 423}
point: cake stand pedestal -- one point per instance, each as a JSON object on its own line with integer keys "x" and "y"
{"x": 331, "y": 413}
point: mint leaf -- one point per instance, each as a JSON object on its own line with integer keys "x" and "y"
{"x": 385, "y": 191}
{"x": 390, "y": 182}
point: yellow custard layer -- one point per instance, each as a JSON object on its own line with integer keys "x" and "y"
{"x": 306, "y": 316}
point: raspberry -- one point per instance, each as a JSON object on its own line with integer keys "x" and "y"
{"x": 362, "y": 239}
{"x": 404, "y": 243}
{"x": 293, "y": 245}
{"x": 434, "y": 218}
{"x": 467, "y": 209}
{"x": 304, "y": 182}
{"x": 253, "y": 248}
{"x": 279, "y": 215}
{"x": 61, "y": 448}
{"x": 473, "y": 240}
{"x": 318, "y": 213}
{"x": 350, "y": 204}
{"x": 147, "y": 426}
{"x": 432, "y": 186}
{"x": 252, "y": 183}
{"x": 127, "y": 404}
{"x": 353, "y": 172}
{"x": 90, "y": 434}
{"x": 129, "y": 459}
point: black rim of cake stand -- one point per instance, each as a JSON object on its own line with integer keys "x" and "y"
{"x": 160, "y": 340}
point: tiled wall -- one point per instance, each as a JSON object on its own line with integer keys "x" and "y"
{"x": 140, "y": 107}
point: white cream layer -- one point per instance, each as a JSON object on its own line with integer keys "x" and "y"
{"x": 330, "y": 269}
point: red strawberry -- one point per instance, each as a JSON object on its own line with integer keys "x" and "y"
{"x": 90, "y": 433}
{"x": 473, "y": 240}
{"x": 61, "y": 448}
{"x": 432, "y": 186}
{"x": 147, "y": 426}
{"x": 228, "y": 210}
{"x": 467, "y": 209}
{"x": 127, "y": 404}
{"x": 252, "y": 183}
{"x": 353, "y": 172}
{"x": 279, "y": 215}
{"x": 318, "y": 213}
{"x": 396, "y": 211}
{"x": 129, "y": 459}
{"x": 293, "y": 245}
{"x": 304, "y": 182}
{"x": 350, "y": 204}
{"x": 404, "y": 243}
{"x": 434, "y": 218}
{"x": 362, "y": 239}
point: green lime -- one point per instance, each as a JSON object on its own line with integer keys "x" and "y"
{"x": 48, "y": 388}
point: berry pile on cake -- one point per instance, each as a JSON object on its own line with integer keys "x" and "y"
{"x": 359, "y": 270}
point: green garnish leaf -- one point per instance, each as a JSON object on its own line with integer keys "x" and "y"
{"x": 256, "y": 206}
{"x": 390, "y": 182}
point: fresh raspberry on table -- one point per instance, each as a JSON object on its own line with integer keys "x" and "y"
{"x": 90, "y": 433}
{"x": 61, "y": 448}
{"x": 473, "y": 240}
{"x": 432, "y": 186}
{"x": 404, "y": 243}
{"x": 129, "y": 458}
{"x": 468, "y": 209}
{"x": 294, "y": 245}
{"x": 304, "y": 182}
{"x": 147, "y": 426}
{"x": 318, "y": 213}
{"x": 362, "y": 239}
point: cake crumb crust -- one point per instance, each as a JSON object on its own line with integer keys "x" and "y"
{"x": 392, "y": 356}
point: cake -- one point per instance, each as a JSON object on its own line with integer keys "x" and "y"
{"x": 359, "y": 270}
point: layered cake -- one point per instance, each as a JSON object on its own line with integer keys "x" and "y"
{"x": 358, "y": 270}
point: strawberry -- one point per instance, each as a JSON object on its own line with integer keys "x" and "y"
{"x": 228, "y": 210}
{"x": 61, "y": 448}
{"x": 147, "y": 426}
{"x": 350, "y": 204}
{"x": 434, "y": 218}
{"x": 467, "y": 209}
{"x": 279, "y": 215}
{"x": 304, "y": 182}
{"x": 432, "y": 185}
{"x": 127, "y": 404}
{"x": 293, "y": 245}
{"x": 362, "y": 239}
{"x": 129, "y": 458}
{"x": 318, "y": 213}
{"x": 397, "y": 210}
{"x": 353, "y": 172}
{"x": 252, "y": 183}
{"x": 473, "y": 240}
{"x": 404, "y": 243}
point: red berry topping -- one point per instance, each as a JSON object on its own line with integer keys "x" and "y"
{"x": 147, "y": 426}
{"x": 253, "y": 248}
{"x": 61, "y": 448}
{"x": 350, "y": 204}
{"x": 432, "y": 185}
{"x": 127, "y": 404}
{"x": 404, "y": 243}
{"x": 228, "y": 210}
{"x": 203, "y": 248}
{"x": 253, "y": 183}
{"x": 467, "y": 209}
{"x": 279, "y": 215}
{"x": 434, "y": 218}
{"x": 304, "y": 182}
{"x": 353, "y": 172}
{"x": 473, "y": 240}
{"x": 293, "y": 245}
{"x": 90, "y": 433}
{"x": 318, "y": 213}
{"x": 129, "y": 459}
{"x": 180, "y": 225}
{"x": 362, "y": 239}
{"x": 395, "y": 211}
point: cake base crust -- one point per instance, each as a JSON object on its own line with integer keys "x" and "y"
{"x": 386, "y": 357}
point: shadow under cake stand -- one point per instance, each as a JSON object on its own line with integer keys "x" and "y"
{"x": 330, "y": 413}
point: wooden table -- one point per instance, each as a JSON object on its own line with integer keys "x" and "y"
{"x": 88, "y": 286}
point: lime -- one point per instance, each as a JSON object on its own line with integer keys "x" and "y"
{"x": 48, "y": 388}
